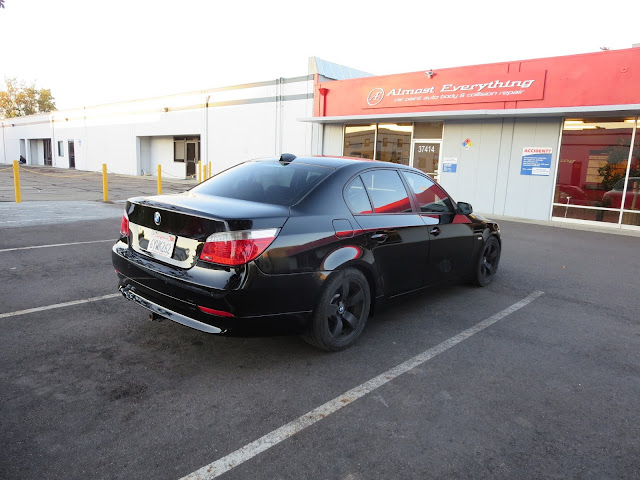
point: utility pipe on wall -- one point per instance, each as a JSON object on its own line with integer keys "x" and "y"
{"x": 277, "y": 119}
{"x": 4, "y": 144}
{"x": 280, "y": 108}
{"x": 206, "y": 134}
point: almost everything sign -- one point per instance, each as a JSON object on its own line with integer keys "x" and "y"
{"x": 427, "y": 91}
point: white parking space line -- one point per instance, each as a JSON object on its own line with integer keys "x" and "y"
{"x": 252, "y": 449}
{"x": 56, "y": 245}
{"x": 59, "y": 305}
{"x": 39, "y": 220}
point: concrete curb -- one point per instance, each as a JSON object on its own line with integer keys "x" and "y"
{"x": 614, "y": 229}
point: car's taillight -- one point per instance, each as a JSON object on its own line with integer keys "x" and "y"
{"x": 124, "y": 225}
{"x": 237, "y": 248}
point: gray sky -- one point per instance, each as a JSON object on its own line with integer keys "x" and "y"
{"x": 89, "y": 52}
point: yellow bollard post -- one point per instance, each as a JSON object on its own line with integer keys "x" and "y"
{"x": 159, "y": 179}
{"x": 16, "y": 181}
{"x": 209, "y": 167}
{"x": 199, "y": 172}
{"x": 105, "y": 186}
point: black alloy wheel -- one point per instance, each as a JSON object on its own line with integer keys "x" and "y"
{"x": 342, "y": 311}
{"x": 488, "y": 262}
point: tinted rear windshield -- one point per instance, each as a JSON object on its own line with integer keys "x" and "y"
{"x": 267, "y": 182}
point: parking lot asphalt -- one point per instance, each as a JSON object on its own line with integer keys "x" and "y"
{"x": 550, "y": 390}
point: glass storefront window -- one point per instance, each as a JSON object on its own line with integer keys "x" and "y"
{"x": 428, "y": 130}
{"x": 631, "y": 218}
{"x": 631, "y": 212}
{"x": 593, "y": 214}
{"x": 394, "y": 142}
{"x": 594, "y": 155}
{"x": 416, "y": 144}
{"x": 359, "y": 141}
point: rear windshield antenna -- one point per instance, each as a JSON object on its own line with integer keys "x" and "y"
{"x": 287, "y": 157}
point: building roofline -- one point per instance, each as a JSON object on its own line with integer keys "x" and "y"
{"x": 267, "y": 83}
{"x": 620, "y": 51}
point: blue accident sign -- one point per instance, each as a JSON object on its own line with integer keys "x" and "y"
{"x": 449, "y": 165}
{"x": 536, "y": 161}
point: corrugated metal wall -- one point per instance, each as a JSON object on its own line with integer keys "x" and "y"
{"x": 488, "y": 173}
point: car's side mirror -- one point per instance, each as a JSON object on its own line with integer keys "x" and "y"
{"x": 464, "y": 208}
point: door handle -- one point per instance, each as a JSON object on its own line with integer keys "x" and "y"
{"x": 435, "y": 231}
{"x": 379, "y": 237}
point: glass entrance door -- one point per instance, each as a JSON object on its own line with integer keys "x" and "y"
{"x": 193, "y": 156}
{"x": 426, "y": 157}
{"x": 47, "y": 151}
{"x": 72, "y": 154}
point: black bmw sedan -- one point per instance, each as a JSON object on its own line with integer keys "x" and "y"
{"x": 318, "y": 239}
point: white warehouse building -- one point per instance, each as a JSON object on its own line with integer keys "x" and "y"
{"x": 219, "y": 126}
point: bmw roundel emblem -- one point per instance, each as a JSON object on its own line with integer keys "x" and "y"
{"x": 157, "y": 218}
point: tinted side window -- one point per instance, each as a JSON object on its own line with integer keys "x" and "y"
{"x": 386, "y": 191}
{"x": 356, "y": 197}
{"x": 431, "y": 198}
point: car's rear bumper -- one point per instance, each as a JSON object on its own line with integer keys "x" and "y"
{"x": 130, "y": 293}
{"x": 249, "y": 295}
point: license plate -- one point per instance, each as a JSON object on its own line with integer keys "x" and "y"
{"x": 161, "y": 243}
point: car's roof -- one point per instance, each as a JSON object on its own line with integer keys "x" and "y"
{"x": 326, "y": 161}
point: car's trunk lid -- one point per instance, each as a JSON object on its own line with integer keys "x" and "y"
{"x": 178, "y": 225}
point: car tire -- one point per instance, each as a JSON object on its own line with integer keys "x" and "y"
{"x": 488, "y": 261}
{"x": 341, "y": 312}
